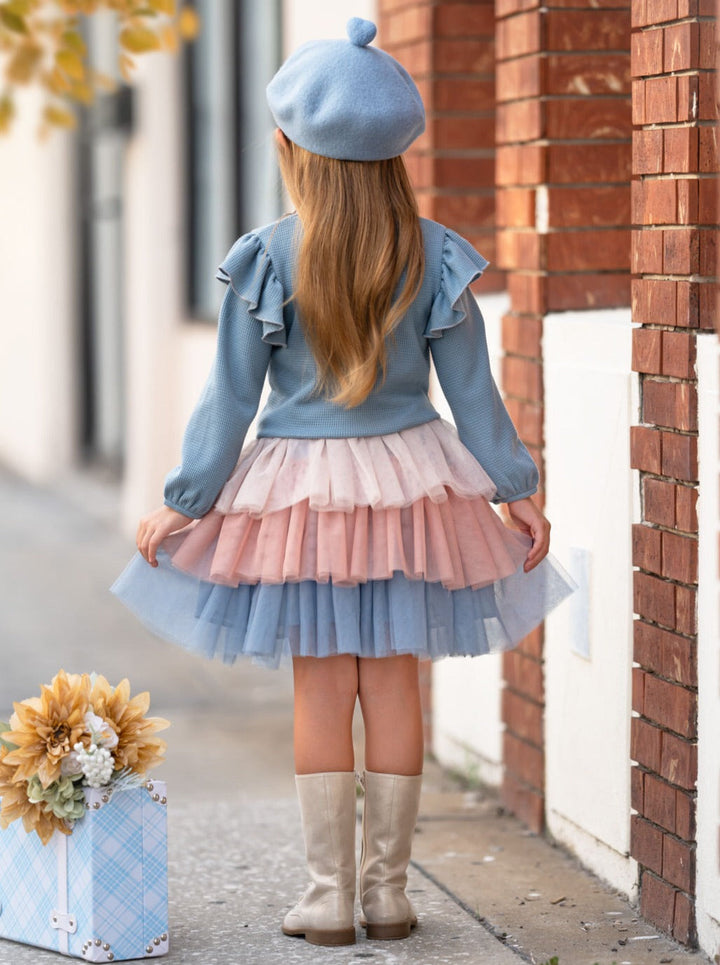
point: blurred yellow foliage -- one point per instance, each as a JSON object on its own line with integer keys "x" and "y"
{"x": 41, "y": 43}
{"x": 139, "y": 39}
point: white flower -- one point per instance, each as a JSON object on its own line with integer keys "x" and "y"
{"x": 71, "y": 766}
{"x": 97, "y": 764}
{"x": 101, "y": 733}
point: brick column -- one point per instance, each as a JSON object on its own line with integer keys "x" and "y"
{"x": 449, "y": 48}
{"x": 673, "y": 255}
{"x": 563, "y": 215}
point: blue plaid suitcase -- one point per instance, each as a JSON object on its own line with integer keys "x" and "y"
{"x": 100, "y": 893}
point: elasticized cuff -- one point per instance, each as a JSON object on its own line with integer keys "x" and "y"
{"x": 514, "y": 499}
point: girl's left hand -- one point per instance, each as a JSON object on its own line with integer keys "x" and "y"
{"x": 154, "y": 527}
{"x": 528, "y": 518}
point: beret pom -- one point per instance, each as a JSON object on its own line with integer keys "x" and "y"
{"x": 344, "y": 99}
{"x": 360, "y": 31}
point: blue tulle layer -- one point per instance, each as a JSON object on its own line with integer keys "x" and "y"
{"x": 375, "y": 619}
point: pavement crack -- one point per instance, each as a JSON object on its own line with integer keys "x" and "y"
{"x": 496, "y": 933}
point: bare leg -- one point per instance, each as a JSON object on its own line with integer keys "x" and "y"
{"x": 325, "y": 693}
{"x": 390, "y": 701}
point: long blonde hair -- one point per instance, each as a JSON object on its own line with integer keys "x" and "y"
{"x": 361, "y": 234}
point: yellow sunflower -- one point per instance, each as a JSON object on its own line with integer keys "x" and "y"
{"x": 44, "y": 729}
{"x": 15, "y": 804}
{"x": 137, "y": 746}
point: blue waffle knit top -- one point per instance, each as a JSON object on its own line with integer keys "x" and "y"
{"x": 259, "y": 334}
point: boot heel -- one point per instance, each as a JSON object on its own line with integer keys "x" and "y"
{"x": 388, "y": 932}
{"x": 338, "y": 936}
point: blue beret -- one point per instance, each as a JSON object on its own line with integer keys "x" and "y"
{"x": 344, "y": 99}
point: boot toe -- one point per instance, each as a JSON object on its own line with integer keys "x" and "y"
{"x": 326, "y": 921}
{"x": 296, "y": 927}
{"x": 293, "y": 922}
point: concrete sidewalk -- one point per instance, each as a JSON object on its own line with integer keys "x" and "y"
{"x": 486, "y": 890}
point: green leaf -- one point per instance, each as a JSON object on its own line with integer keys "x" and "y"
{"x": 4, "y": 728}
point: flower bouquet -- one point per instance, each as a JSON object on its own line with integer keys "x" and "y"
{"x": 89, "y": 878}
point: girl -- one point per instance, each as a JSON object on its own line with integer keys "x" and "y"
{"x": 356, "y": 532}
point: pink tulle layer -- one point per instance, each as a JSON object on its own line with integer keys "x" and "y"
{"x": 458, "y": 542}
{"x": 387, "y": 471}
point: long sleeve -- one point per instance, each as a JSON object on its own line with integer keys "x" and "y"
{"x": 228, "y": 403}
{"x": 461, "y": 360}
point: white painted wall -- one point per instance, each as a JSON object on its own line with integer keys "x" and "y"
{"x": 154, "y": 288}
{"x": 39, "y": 342}
{"x": 305, "y": 20}
{"x": 590, "y": 403}
{"x": 708, "y": 784}
{"x": 467, "y": 727}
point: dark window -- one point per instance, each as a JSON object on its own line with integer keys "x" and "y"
{"x": 232, "y": 180}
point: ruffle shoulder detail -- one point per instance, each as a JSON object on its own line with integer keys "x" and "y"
{"x": 460, "y": 266}
{"x": 248, "y": 269}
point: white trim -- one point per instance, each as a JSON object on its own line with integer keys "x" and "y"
{"x": 617, "y": 869}
{"x": 708, "y": 784}
{"x": 591, "y": 500}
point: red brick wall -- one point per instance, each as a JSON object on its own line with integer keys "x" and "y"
{"x": 674, "y": 206}
{"x": 563, "y": 212}
{"x": 563, "y": 216}
{"x": 449, "y": 50}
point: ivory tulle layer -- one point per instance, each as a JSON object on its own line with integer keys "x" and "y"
{"x": 456, "y": 542}
{"x": 376, "y": 619}
{"x": 380, "y": 471}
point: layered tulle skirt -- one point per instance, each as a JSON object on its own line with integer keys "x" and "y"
{"x": 371, "y": 546}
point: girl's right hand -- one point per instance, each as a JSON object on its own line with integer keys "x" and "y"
{"x": 528, "y": 518}
{"x": 154, "y": 527}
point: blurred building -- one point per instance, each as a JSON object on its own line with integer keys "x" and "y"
{"x": 576, "y": 145}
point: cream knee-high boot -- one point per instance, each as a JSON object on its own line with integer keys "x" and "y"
{"x": 325, "y": 913}
{"x": 389, "y": 816}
